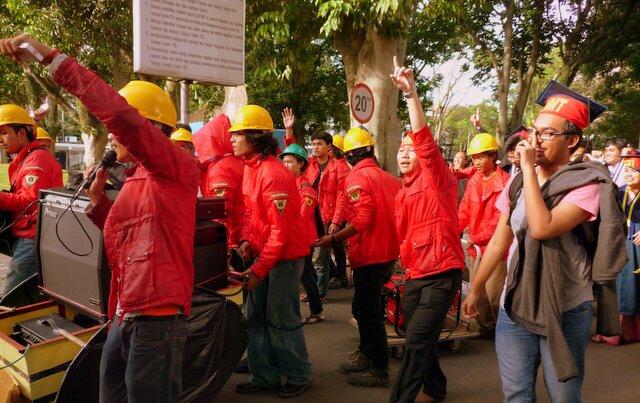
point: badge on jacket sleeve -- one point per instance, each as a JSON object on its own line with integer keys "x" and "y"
{"x": 280, "y": 201}
{"x": 354, "y": 193}
{"x": 219, "y": 192}
{"x": 308, "y": 200}
{"x": 31, "y": 180}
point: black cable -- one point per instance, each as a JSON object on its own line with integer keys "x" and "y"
{"x": 73, "y": 199}
{"x": 6, "y": 227}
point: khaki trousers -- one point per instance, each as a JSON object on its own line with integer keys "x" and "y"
{"x": 489, "y": 303}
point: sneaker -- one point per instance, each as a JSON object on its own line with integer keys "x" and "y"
{"x": 289, "y": 390}
{"x": 246, "y": 388}
{"x": 358, "y": 363}
{"x": 373, "y": 378}
{"x": 334, "y": 283}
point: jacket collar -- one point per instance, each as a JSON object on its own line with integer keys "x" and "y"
{"x": 255, "y": 161}
{"x": 26, "y": 150}
{"x": 365, "y": 163}
{"x": 409, "y": 178}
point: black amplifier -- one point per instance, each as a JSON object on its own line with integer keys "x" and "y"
{"x": 72, "y": 263}
{"x": 41, "y": 329}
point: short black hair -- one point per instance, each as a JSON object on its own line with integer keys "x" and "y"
{"x": 184, "y": 126}
{"x": 511, "y": 143}
{"x": 357, "y": 155}
{"x": 262, "y": 142}
{"x": 28, "y": 129}
{"x": 326, "y": 137}
{"x": 616, "y": 141}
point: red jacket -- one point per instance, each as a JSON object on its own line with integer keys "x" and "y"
{"x": 308, "y": 203}
{"x": 33, "y": 169}
{"x": 478, "y": 209}
{"x": 426, "y": 218}
{"x": 222, "y": 172}
{"x": 272, "y": 225}
{"x": 331, "y": 195}
{"x": 371, "y": 192}
{"x": 149, "y": 229}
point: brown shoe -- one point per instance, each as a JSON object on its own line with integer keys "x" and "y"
{"x": 358, "y": 363}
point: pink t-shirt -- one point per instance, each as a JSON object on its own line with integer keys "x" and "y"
{"x": 586, "y": 197}
{"x": 577, "y": 278}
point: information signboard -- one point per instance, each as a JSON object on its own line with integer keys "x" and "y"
{"x": 199, "y": 40}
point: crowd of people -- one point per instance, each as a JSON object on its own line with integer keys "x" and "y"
{"x": 545, "y": 232}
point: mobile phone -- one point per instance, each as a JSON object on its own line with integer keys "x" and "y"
{"x": 29, "y": 54}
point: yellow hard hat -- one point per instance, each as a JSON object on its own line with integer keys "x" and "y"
{"x": 357, "y": 137}
{"x": 42, "y": 134}
{"x": 182, "y": 135}
{"x": 338, "y": 142}
{"x": 252, "y": 117}
{"x": 11, "y": 114}
{"x": 482, "y": 142}
{"x": 151, "y": 101}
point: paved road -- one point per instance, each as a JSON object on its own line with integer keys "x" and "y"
{"x": 613, "y": 373}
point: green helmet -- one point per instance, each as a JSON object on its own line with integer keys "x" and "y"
{"x": 295, "y": 149}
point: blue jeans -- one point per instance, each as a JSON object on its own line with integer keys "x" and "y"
{"x": 322, "y": 263}
{"x": 142, "y": 360}
{"x": 276, "y": 341}
{"x": 520, "y": 352}
{"x": 22, "y": 264}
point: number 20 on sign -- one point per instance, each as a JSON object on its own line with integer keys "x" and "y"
{"x": 361, "y": 103}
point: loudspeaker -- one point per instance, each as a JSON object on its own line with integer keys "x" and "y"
{"x": 72, "y": 264}
{"x": 210, "y": 255}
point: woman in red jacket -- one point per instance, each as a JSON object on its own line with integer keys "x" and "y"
{"x": 430, "y": 249}
{"x": 479, "y": 214}
{"x": 273, "y": 240}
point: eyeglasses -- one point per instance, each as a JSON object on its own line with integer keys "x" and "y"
{"x": 544, "y": 135}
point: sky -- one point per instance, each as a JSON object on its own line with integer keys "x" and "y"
{"x": 464, "y": 91}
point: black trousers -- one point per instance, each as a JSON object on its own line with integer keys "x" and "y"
{"x": 309, "y": 281}
{"x": 426, "y": 302}
{"x": 368, "y": 311}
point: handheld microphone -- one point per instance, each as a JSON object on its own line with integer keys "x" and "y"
{"x": 108, "y": 160}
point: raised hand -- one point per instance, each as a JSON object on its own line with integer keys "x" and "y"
{"x": 402, "y": 77}
{"x": 475, "y": 118}
{"x": 526, "y": 149}
{"x": 288, "y": 118}
{"x": 11, "y": 47}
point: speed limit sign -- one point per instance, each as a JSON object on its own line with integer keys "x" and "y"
{"x": 361, "y": 103}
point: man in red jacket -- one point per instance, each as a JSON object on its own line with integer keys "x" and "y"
{"x": 430, "y": 249}
{"x": 274, "y": 244}
{"x": 326, "y": 174}
{"x": 148, "y": 236}
{"x": 32, "y": 169}
{"x": 373, "y": 249}
{"x": 478, "y": 212}
{"x": 222, "y": 172}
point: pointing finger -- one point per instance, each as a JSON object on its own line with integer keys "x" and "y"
{"x": 395, "y": 62}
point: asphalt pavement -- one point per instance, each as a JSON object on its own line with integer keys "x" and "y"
{"x": 613, "y": 373}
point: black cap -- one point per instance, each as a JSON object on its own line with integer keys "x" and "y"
{"x": 555, "y": 88}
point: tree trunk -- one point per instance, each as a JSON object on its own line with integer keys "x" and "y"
{"x": 504, "y": 72}
{"x": 367, "y": 56}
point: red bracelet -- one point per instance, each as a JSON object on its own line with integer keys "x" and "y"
{"x": 49, "y": 58}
